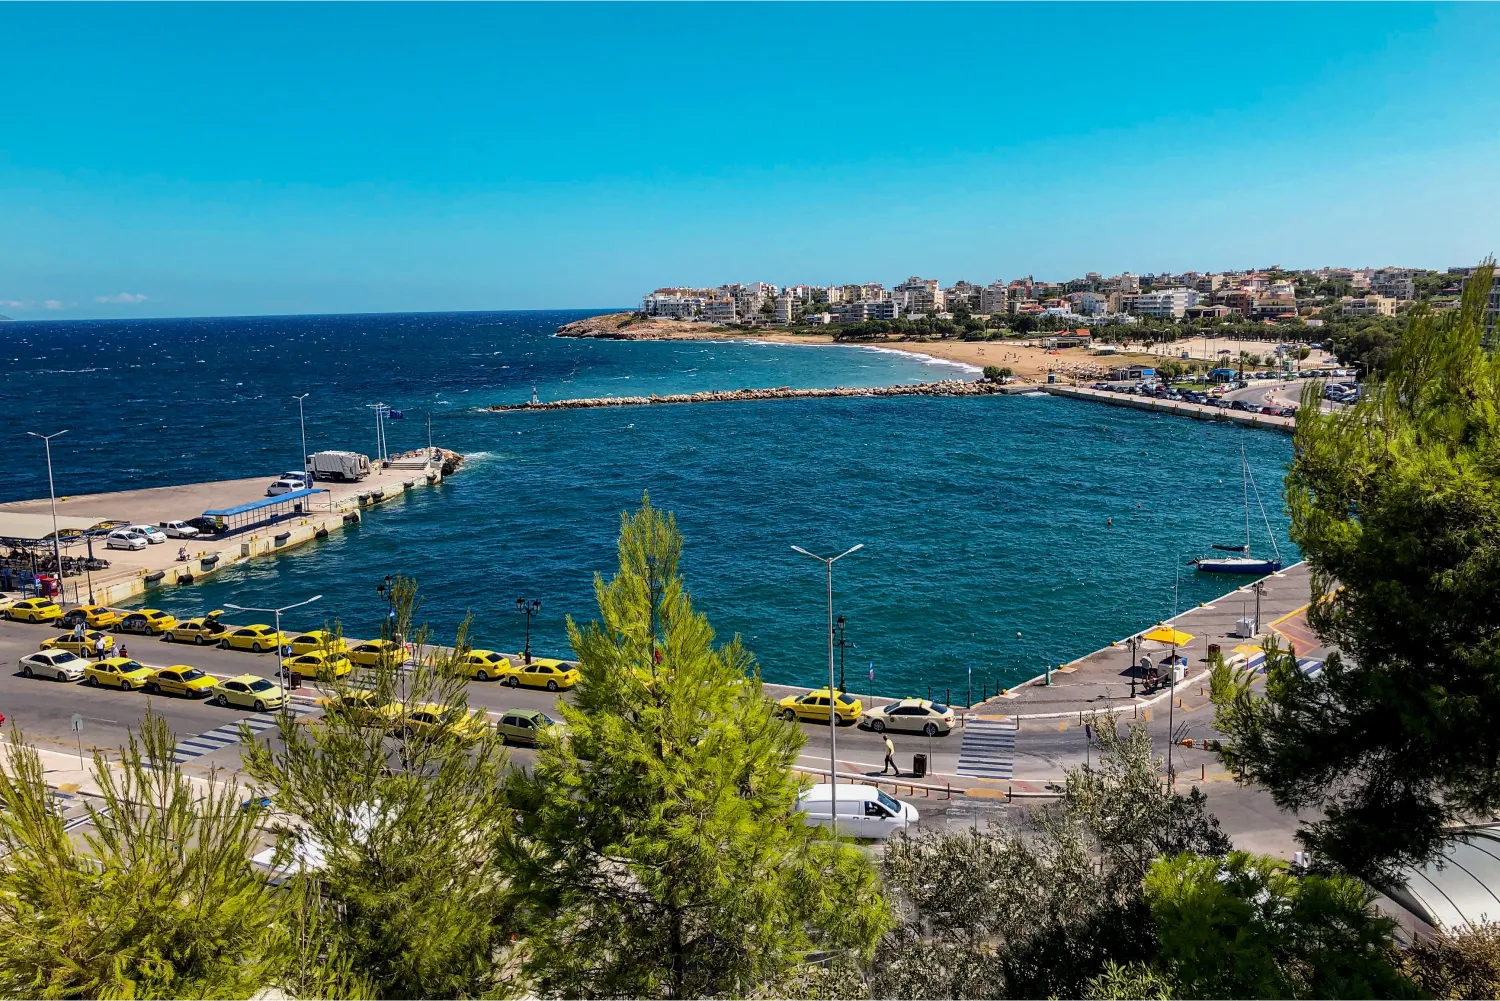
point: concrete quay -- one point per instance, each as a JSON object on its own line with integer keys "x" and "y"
{"x": 133, "y": 572}
{"x": 1101, "y": 681}
{"x": 1179, "y": 409}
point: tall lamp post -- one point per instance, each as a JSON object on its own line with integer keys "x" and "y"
{"x": 388, "y": 591}
{"x": 530, "y": 609}
{"x": 51, "y": 492}
{"x": 302, "y": 420}
{"x": 833, "y": 716}
{"x": 843, "y": 645}
{"x": 280, "y": 664}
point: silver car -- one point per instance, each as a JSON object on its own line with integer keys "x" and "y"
{"x": 59, "y": 664}
{"x": 909, "y": 716}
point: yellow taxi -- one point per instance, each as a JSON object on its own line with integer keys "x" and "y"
{"x": 372, "y": 653}
{"x": 249, "y": 692}
{"x": 180, "y": 679}
{"x": 319, "y": 641}
{"x": 363, "y": 707}
{"x": 34, "y": 610}
{"x": 257, "y": 638}
{"x": 813, "y": 707}
{"x": 432, "y": 720}
{"x": 484, "y": 665}
{"x": 86, "y": 646}
{"x": 543, "y": 672}
{"x": 92, "y": 616}
{"x": 199, "y": 632}
{"x": 323, "y": 666}
{"x": 117, "y": 672}
{"x": 147, "y": 622}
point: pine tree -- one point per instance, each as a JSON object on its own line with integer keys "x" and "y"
{"x": 389, "y": 838}
{"x": 1395, "y": 503}
{"x": 658, "y": 851}
{"x": 155, "y": 897}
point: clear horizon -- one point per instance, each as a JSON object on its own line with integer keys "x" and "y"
{"x": 169, "y": 161}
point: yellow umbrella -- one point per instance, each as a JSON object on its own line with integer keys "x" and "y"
{"x": 1166, "y": 634}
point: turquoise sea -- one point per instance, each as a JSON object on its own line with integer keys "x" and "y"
{"x": 1000, "y": 534}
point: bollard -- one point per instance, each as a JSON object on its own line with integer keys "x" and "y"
{"x": 929, "y": 693}
{"x": 1203, "y": 772}
{"x": 948, "y": 696}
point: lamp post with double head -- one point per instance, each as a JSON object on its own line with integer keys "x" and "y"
{"x": 530, "y": 609}
{"x": 833, "y": 716}
{"x": 302, "y": 420}
{"x": 52, "y": 492}
{"x": 844, "y": 645}
{"x": 281, "y": 673}
{"x": 388, "y": 591}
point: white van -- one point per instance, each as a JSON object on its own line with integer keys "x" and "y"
{"x": 864, "y": 811}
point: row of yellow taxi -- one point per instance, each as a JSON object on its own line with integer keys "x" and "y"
{"x": 246, "y": 691}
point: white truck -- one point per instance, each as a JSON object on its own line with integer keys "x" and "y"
{"x": 343, "y": 467}
{"x": 177, "y": 529}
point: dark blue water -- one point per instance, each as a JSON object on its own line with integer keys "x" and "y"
{"x": 980, "y": 518}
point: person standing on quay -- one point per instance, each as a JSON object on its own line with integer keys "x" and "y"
{"x": 890, "y": 756}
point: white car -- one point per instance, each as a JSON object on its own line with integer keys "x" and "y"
{"x": 178, "y": 530}
{"x": 59, "y": 664}
{"x": 123, "y": 538}
{"x": 154, "y": 536}
{"x": 303, "y": 478}
{"x": 863, "y": 811}
{"x": 283, "y": 487}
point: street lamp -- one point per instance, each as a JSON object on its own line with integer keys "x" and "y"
{"x": 530, "y": 609}
{"x": 388, "y": 590}
{"x": 280, "y": 665}
{"x": 843, "y": 644}
{"x": 56, "y": 549}
{"x": 833, "y": 716}
{"x": 302, "y": 421}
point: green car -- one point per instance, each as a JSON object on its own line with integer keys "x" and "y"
{"x": 249, "y": 692}
{"x": 520, "y": 726}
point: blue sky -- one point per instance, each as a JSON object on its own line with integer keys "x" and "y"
{"x": 235, "y": 159}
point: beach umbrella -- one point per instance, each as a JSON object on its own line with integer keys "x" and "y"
{"x": 1166, "y": 634}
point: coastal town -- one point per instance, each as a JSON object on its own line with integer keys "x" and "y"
{"x": 1271, "y": 295}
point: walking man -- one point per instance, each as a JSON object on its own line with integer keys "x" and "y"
{"x": 99, "y": 646}
{"x": 890, "y": 756}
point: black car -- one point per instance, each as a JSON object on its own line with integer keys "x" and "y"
{"x": 1240, "y": 405}
{"x": 205, "y": 526}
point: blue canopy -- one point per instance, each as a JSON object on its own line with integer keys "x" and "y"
{"x": 256, "y": 505}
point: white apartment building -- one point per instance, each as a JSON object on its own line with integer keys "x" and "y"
{"x": 785, "y": 308}
{"x": 919, "y": 295}
{"x": 1370, "y": 305}
{"x": 1396, "y": 285}
{"x": 683, "y": 307}
{"x": 866, "y": 309}
{"x": 994, "y": 298}
{"x": 1129, "y": 284}
{"x": 1168, "y": 302}
{"x": 1089, "y": 303}
{"x": 720, "y": 311}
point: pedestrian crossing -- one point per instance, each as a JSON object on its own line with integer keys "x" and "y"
{"x": 988, "y": 750}
{"x": 222, "y": 736}
{"x": 1310, "y": 666}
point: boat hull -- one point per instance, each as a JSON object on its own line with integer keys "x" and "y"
{"x": 1242, "y": 564}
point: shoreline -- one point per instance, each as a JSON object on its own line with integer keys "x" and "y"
{"x": 1027, "y": 362}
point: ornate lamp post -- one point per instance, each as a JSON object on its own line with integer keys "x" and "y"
{"x": 530, "y": 609}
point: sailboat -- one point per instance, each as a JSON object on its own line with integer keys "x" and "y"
{"x": 1244, "y": 562}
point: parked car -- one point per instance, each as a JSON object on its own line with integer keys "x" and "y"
{"x": 521, "y": 726}
{"x": 180, "y": 679}
{"x": 909, "y": 716}
{"x": 257, "y": 638}
{"x": 83, "y": 646}
{"x": 147, "y": 622}
{"x": 59, "y": 664}
{"x": 123, "y": 538}
{"x": 91, "y": 616}
{"x": 283, "y": 487}
{"x": 207, "y": 629}
{"x": 206, "y": 526}
{"x": 363, "y": 707}
{"x": 154, "y": 536}
{"x": 249, "y": 692}
{"x": 813, "y": 707}
{"x": 375, "y": 652}
{"x": 1239, "y": 405}
{"x": 319, "y": 641}
{"x": 863, "y": 811}
{"x": 484, "y": 665}
{"x": 117, "y": 672}
{"x": 432, "y": 720}
{"x": 323, "y": 666}
{"x": 177, "y": 529}
{"x": 552, "y": 675}
{"x": 34, "y": 610}
{"x": 303, "y": 478}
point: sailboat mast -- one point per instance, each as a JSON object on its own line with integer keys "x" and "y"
{"x": 1245, "y": 488}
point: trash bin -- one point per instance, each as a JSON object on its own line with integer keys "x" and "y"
{"x": 918, "y": 766}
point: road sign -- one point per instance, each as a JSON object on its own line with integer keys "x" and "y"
{"x": 77, "y": 722}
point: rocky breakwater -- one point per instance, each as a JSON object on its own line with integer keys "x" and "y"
{"x": 948, "y": 387}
